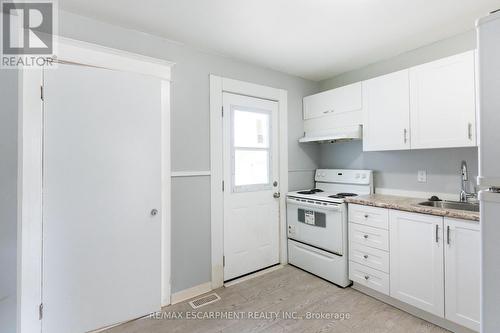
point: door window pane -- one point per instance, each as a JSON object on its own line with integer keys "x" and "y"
{"x": 251, "y": 154}
{"x": 251, "y": 129}
{"x": 251, "y": 167}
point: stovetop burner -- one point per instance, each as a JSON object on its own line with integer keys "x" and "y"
{"x": 342, "y": 195}
{"x": 312, "y": 191}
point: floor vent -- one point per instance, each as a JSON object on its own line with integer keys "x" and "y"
{"x": 202, "y": 301}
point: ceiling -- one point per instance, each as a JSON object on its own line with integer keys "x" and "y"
{"x": 313, "y": 39}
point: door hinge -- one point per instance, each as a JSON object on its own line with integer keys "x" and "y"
{"x": 222, "y": 111}
{"x": 41, "y": 93}
{"x": 40, "y": 311}
{"x": 223, "y": 261}
{"x": 223, "y": 186}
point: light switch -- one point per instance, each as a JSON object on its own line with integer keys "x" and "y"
{"x": 422, "y": 176}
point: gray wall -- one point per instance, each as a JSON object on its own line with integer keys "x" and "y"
{"x": 440, "y": 49}
{"x": 8, "y": 199}
{"x": 398, "y": 169}
{"x": 190, "y": 131}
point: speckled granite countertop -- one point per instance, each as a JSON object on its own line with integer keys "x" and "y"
{"x": 410, "y": 205}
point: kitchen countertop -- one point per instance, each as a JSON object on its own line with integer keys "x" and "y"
{"x": 410, "y": 205}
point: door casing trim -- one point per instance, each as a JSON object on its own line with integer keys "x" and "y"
{"x": 30, "y": 131}
{"x": 218, "y": 85}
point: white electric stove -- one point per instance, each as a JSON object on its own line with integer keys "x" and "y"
{"x": 317, "y": 222}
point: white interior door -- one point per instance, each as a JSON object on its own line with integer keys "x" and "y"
{"x": 102, "y": 179}
{"x": 251, "y": 184}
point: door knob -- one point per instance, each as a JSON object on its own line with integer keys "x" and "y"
{"x": 276, "y": 195}
{"x": 154, "y": 212}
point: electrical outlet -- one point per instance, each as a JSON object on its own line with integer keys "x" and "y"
{"x": 422, "y": 176}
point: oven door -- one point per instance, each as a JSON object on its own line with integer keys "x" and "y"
{"x": 319, "y": 224}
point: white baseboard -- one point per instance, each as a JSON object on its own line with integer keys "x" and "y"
{"x": 191, "y": 292}
{"x": 416, "y": 194}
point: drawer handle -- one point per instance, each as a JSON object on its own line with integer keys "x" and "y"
{"x": 365, "y": 256}
{"x": 365, "y": 236}
{"x": 366, "y": 216}
{"x": 366, "y": 277}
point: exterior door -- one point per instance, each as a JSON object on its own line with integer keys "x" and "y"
{"x": 101, "y": 182}
{"x": 417, "y": 260}
{"x": 463, "y": 272}
{"x": 251, "y": 184}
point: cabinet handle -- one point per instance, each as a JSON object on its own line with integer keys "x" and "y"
{"x": 365, "y": 256}
{"x": 366, "y": 277}
{"x": 328, "y": 111}
{"x": 405, "y": 138}
{"x": 366, "y": 216}
{"x": 365, "y": 236}
{"x": 469, "y": 131}
{"x": 448, "y": 235}
{"x": 437, "y": 233}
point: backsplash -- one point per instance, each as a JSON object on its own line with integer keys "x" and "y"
{"x": 398, "y": 169}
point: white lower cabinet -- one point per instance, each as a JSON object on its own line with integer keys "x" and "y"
{"x": 369, "y": 247}
{"x": 429, "y": 262}
{"x": 369, "y": 277}
{"x": 417, "y": 261}
{"x": 462, "y": 272}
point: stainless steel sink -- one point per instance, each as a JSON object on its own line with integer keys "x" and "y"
{"x": 452, "y": 205}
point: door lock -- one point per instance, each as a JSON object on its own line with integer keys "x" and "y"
{"x": 154, "y": 212}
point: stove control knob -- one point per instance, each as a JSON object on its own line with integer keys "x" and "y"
{"x": 357, "y": 176}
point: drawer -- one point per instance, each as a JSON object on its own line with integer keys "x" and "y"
{"x": 369, "y": 236}
{"x": 371, "y": 216}
{"x": 327, "y": 265}
{"x": 369, "y": 277}
{"x": 369, "y": 256}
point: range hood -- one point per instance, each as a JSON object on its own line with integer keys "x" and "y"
{"x": 347, "y": 133}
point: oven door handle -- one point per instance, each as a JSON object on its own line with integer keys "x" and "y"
{"x": 328, "y": 206}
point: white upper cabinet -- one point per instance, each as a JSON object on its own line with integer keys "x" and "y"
{"x": 442, "y": 103}
{"x": 462, "y": 272}
{"x": 417, "y": 260}
{"x": 386, "y": 112}
{"x": 333, "y": 102}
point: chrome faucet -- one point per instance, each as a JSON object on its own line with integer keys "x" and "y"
{"x": 464, "y": 195}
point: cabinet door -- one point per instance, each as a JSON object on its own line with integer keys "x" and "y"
{"x": 442, "y": 107}
{"x": 416, "y": 263}
{"x": 386, "y": 108}
{"x": 462, "y": 271}
{"x": 332, "y": 102}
